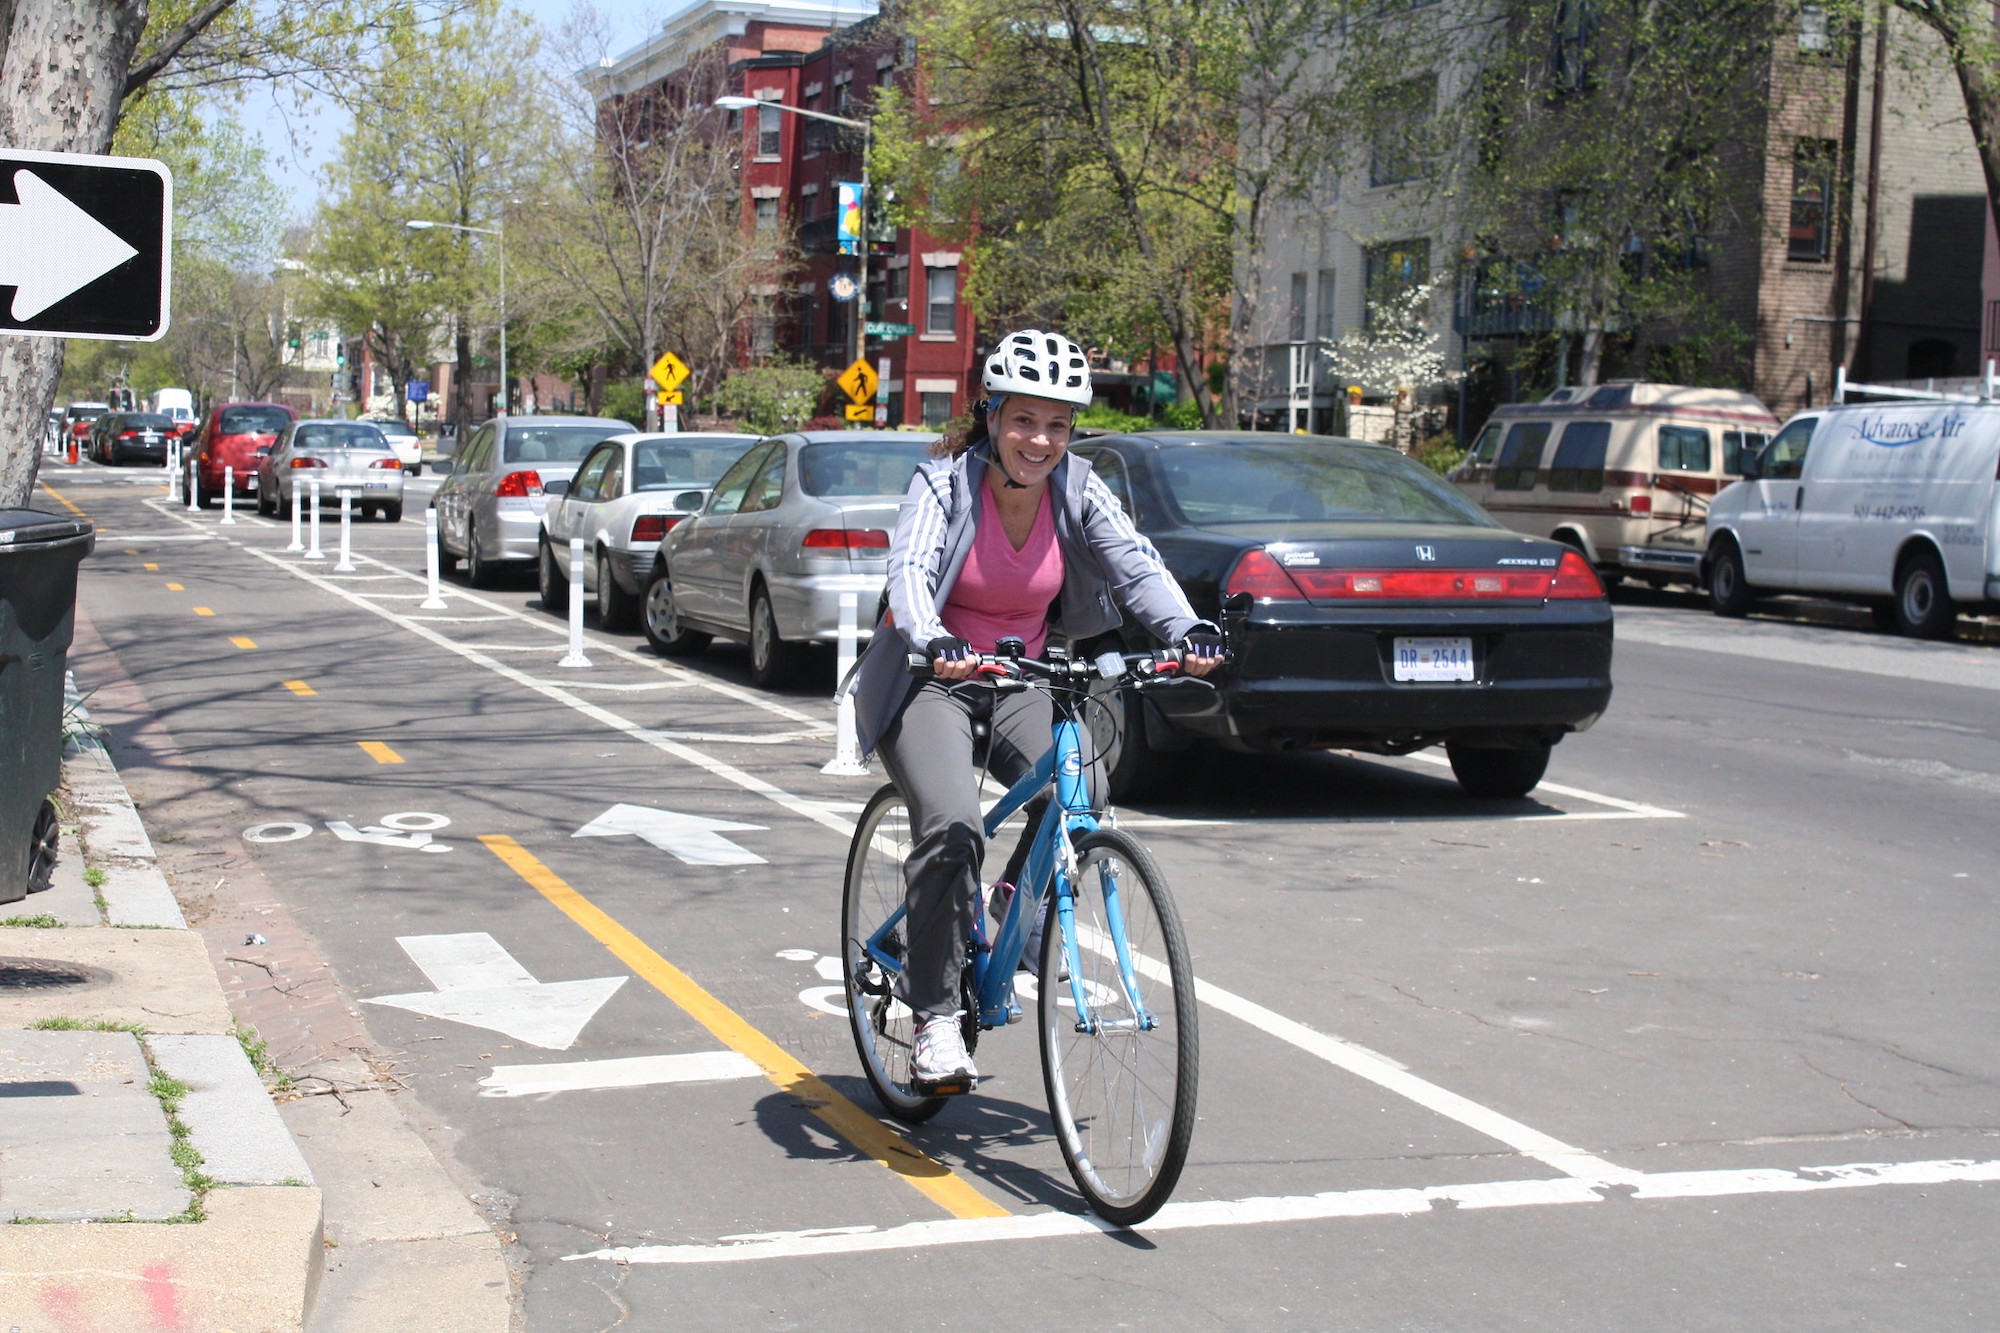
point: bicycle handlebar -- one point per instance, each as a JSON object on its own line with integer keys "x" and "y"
{"x": 1161, "y": 665}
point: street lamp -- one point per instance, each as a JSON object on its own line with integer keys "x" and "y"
{"x": 418, "y": 224}
{"x": 867, "y": 128}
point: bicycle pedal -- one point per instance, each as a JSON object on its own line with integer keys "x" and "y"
{"x": 948, "y": 1087}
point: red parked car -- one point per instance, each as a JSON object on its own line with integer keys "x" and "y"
{"x": 231, "y": 437}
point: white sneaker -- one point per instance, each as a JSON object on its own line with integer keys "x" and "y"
{"x": 941, "y": 1056}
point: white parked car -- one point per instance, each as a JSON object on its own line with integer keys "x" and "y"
{"x": 403, "y": 440}
{"x": 627, "y": 494}
{"x": 1891, "y": 504}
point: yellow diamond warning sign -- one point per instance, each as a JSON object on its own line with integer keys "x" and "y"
{"x": 858, "y": 382}
{"x": 669, "y": 371}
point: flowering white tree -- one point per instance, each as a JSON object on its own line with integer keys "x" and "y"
{"x": 1394, "y": 353}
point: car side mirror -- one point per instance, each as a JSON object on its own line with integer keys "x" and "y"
{"x": 555, "y": 488}
{"x": 442, "y": 467}
{"x": 263, "y": 451}
{"x": 1752, "y": 463}
{"x": 690, "y": 502}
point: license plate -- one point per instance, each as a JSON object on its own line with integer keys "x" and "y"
{"x": 374, "y": 485}
{"x": 250, "y": 482}
{"x": 1434, "y": 659}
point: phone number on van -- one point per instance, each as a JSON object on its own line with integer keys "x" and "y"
{"x": 1891, "y": 513}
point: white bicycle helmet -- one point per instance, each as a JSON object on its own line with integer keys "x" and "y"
{"x": 1041, "y": 365}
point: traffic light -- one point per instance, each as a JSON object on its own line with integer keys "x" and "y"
{"x": 340, "y": 356}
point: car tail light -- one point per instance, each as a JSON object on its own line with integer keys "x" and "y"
{"x": 128, "y": 434}
{"x": 519, "y": 485}
{"x": 652, "y": 527}
{"x": 308, "y": 462}
{"x": 845, "y": 539}
{"x": 1263, "y": 578}
{"x": 1641, "y": 504}
{"x": 80, "y": 429}
{"x": 1575, "y": 578}
{"x": 391, "y": 464}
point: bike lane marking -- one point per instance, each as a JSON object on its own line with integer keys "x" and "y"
{"x": 926, "y": 1174}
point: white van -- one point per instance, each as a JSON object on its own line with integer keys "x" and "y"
{"x": 1621, "y": 471}
{"x": 174, "y": 404}
{"x": 1891, "y": 504}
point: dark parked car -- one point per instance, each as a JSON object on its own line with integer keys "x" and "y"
{"x": 1370, "y": 607}
{"x": 231, "y": 437}
{"x": 118, "y": 436}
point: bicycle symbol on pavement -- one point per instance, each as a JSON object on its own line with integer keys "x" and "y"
{"x": 406, "y": 828}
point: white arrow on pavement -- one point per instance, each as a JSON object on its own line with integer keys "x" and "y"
{"x": 49, "y": 247}
{"x": 695, "y": 839}
{"x": 480, "y": 984}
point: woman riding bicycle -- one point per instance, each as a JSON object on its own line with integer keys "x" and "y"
{"x": 1002, "y": 534}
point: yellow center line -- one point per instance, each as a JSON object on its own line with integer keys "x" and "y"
{"x": 930, "y": 1177}
{"x": 242, "y": 641}
{"x": 379, "y": 752}
{"x": 63, "y": 500}
{"x": 130, "y": 551}
{"x": 176, "y": 587}
{"x": 151, "y": 568}
{"x": 203, "y": 611}
{"x": 300, "y": 688}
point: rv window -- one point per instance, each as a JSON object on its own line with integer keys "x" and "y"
{"x": 1487, "y": 444}
{"x": 1683, "y": 449}
{"x": 1520, "y": 457}
{"x": 1736, "y": 443}
{"x": 1579, "y": 460}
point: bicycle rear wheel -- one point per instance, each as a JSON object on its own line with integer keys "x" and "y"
{"x": 884, "y": 1028}
{"x": 1122, "y": 1094}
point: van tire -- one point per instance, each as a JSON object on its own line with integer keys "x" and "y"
{"x": 1924, "y": 608}
{"x": 1729, "y": 592}
{"x": 1504, "y": 773}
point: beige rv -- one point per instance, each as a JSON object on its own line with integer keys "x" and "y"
{"x": 1621, "y": 471}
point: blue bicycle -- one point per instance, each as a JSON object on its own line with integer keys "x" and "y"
{"x": 1113, "y": 984}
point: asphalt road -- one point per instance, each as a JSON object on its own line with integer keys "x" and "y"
{"x": 1699, "y": 1036}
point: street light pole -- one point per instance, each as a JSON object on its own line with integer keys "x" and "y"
{"x": 867, "y": 128}
{"x": 500, "y": 232}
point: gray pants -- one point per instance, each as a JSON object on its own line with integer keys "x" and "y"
{"x": 928, "y": 752}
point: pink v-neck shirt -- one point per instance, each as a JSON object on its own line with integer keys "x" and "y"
{"x": 1002, "y": 591}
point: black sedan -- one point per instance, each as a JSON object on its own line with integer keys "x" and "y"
{"x": 1370, "y": 607}
{"x": 118, "y": 436}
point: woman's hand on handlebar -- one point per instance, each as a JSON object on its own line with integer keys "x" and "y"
{"x": 951, "y": 658}
{"x": 1202, "y": 649}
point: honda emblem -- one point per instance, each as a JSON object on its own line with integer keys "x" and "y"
{"x": 1427, "y": 553}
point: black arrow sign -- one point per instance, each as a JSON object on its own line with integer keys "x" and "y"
{"x": 85, "y": 245}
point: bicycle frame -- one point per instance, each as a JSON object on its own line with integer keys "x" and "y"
{"x": 1051, "y": 865}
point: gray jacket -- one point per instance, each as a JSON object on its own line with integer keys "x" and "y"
{"x": 1106, "y": 564}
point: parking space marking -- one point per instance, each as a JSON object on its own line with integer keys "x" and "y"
{"x": 300, "y": 688}
{"x": 932, "y": 1178}
{"x": 824, "y": 1242}
{"x": 204, "y": 611}
{"x": 152, "y": 568}
{"x": 173, "y": 587}
{"x": 635, "y": 1071}
{"x": 379, "y": 752}
{"x": 1638, "y": 808}
{"x": 243, "y": 641}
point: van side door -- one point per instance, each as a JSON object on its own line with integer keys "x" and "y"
{"x": 1769, "y": 528}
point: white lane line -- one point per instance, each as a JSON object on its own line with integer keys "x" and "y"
{"x": 1596, "y": 798}
{"x": 621, "y": 687}
{"x": 153, "y": 538}
{"x": 823, "y": 1242}
{"x": 1553, "y": 817}
{"x": 451, "y": 620}
{"x": 1385, "y": 1074}
{"x": 771, "y": 738}
{"x": 640, "y": 1071}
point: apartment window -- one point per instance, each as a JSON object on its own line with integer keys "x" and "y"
{"x": 940, "y": 301}
{"x": 1392, "y": 270}
{"x": 1396, "y": 143}
{"x": 769, "y": 120}
{"x": 813, "y": 133}
{"x": 767, "y": 216}
{"x": 763, "y": 327}
{"x": 1295, "y": 324}
{"x": 936, "y": 406}
{"x": 1810, "y": 236}
{"x": 1325, "y": 325}
{"x": 1815, "y": 33}
{"x": 1576, "y": 24}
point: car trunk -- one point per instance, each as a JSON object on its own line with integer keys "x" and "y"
{"x": 353, "y": 471}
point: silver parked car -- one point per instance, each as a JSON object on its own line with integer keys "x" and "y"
{"x": 624, "y": 498}
{"x": 403, "y": 439}
{"x": 490, "y": 506}
{"x": 798, "y": 521}
{"x": 349, "y": 458}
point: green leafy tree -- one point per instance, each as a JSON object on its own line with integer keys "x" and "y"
{"x": 773, "y": 398}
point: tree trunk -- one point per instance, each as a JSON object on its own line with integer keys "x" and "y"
{"x": 1590, "y": 363}
{"x": 63, "y": 65}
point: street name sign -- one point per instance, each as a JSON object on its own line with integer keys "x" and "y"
{"x": 879, "y": 329}
{"x": 668, "y": 372}
{"x": 86, "y": 245}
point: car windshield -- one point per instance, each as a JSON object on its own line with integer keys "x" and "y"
{"x": 551, "y": 444}
{"x": 253, "y": 420}
{"x": 90, "y": 412}
{"x": 390, "y": 427}
{"x": 660, "y": 465}
{"x": 1261, "y": 483}
{"x": 146, "y": 421}
{"x": 338, "y": 435}
{"x": 838, "y": 470}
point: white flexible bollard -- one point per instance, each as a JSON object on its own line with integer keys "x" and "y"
{"x": 434, "y": 602}
{"x": 846, "y": 761}
{"x": 297, "y": 516}
{"x": 194, "y": 485}
{"x": 228, "y": 495}
{"x": 574, "y": 657}
{"x": 313, "y": 552}
{"x": 173, "y": 470}
{"x": 345, "y": 565}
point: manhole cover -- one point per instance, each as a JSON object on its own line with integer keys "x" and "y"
{"x": 19, "y": 974}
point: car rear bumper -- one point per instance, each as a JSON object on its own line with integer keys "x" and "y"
{"x": 632, "y": 568}
{"x": 520, "y": 536}
{"x": 808, "y": 606}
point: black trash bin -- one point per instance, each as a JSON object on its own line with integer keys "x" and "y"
{"x": 39, "y": 555}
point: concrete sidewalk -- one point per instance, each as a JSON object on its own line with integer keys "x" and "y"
{"x": 148, "y": 1175}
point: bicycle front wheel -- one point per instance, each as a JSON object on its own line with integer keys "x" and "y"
{"x": 884, "y": 1028}
{"x": 1121, "y": 1071}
